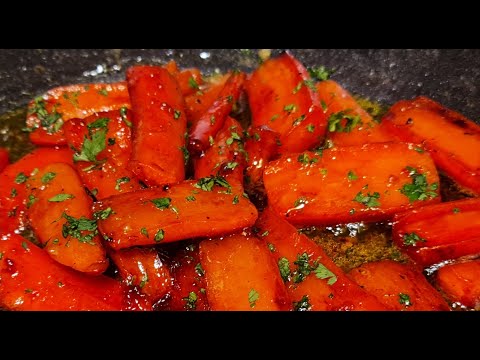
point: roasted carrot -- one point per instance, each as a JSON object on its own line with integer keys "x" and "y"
{"x": 143, "y": 268}
{"x": 313, "y": 280}
{"x": 225, "y": 156}
{"x": 4, "y": 159}
{"x": 281, "y": 97}
{"x": 102, "y": 147}
{"x": 452, "y": 139}
{"x": 439, "y": 232}
{"x": 159, "y": 125}
{"x": 48, "y": 113}
{"x": 204, "y": 208}
{"x": 210, "y": 123}
{"x": 60, "y": 213}
{"x": 348, "y": 123}
{"x": 460, "y": 283}
{"x": 32, "y": 280}
{"x": 189, "y": 80}
{"x": 398, "y": 286}
{"x": 188, "y": 291}
{"x": 351, "y": 183}
{"x": 241, "y": 274}
{"x": 13, "y": 191}
{"x": 198, "y": 103}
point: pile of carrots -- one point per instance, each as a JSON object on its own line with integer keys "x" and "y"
{"x": 149, "y": 194}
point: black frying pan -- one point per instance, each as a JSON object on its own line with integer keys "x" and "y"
{"x": 449, "y": 76}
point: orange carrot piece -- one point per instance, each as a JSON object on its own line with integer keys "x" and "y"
{"x": 32, "y": 280}
{"x": 314, "y": 282}
{"x": 398, "y": 286}
{"x": 460, "y": 283}
{"x": 143, "y": 268}
{"x": 4, "y": 158}
{"x": 346, "y": 185}
{"x": 439, "y": 232}
{"x": 177, "y": 212}
{"x": 56, "y": 195}
{"x": 159, "y": 125}
{"x": 48, "y": 113}
{"x": 108, "y": 174}
{"x": 225, "y": 156}
{"x": 210, "y": 123}
{"x": 13, "y": 193}
{"x": 280, "y": 97}
{"x": 242, "y": 275}
{"x": 198, "y": 103}
{"x": 360, "y": 128}
{"x": 189, "y": 80}
{"x": 188, "y": 292}
{"x": 452, "y": 139}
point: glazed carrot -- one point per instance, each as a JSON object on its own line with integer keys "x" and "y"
{"x": 226, "y": 154}
{"x": 189, "y": 80}
{"x": 210, "y": 123}
{"x": 32, "y": 280}
{"x": 159, "y": 125}
{"x": 4, "y": 159}
{"x": 280, "y": 97}
{"x": 452, "y": 139}
{"x": 439, "y": 232}
{"x": 242, "y": 275}
{"x": 103, "y": 146}
{"x": 460, "y": 283}
{"x": 398, "y": 286}
{"x": 48, "y": 113}
{"x": 351, "y": 183}
{"x": 198, "y": 103}
{"x": 203, "y": 208}
{"x": 313, "y": 280}
{"x": 348, "y": 123}
{"x": 13, "y": 191}
{"x": 188, "y": 292}
{"x": 60, "y": 213}
{"x": 143, "y": 268}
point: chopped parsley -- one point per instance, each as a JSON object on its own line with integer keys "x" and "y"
{"x": 120, "y": 181}
{"x": 159, "y": 235}
{"x": 199, "y": 270}
{"x": 144, "y": 232}
{"x": 190, "y": 198}
{"x": 411, "y": 239}
{"x": 265, "y": 233}
{"x": 191, "y": 301}
{"x": 456, "y": 210}
{"x": 144, "y": 280}
{"x": 235, "y": 200}
{"x": 13, "y": 193}
{"x": 31, "y": 200}
{"x": 290, "y": 108}
{"x": 74, "y": 227}
{"x": 103, "y": 92}
{"x": 162, "y": 203}
{"x": 321, "y": 272}
{"x": 177, "y": 114}
{"x": 306, "y": 160}
{"x": 25, "y": 245}
{"x": 335, "y": 124}
{"x": 207, "y": 183}
{"x": 51, "y": 121}
{"x": 231, "y": 165}
{"x": 302, "y": 200}
{"x": 100, "y": 123}
{"x": 20, "y": 178}
{"x": 193, "y": 83}
{"x": 284, "y": 267}
{"x": 271, "y": 247}
{"x": 369, "y": 200}
{"x": 186, "y": 154}
{"x": 253, "y": 296}
{"x": 351, "y": 176}
{"x": 47, "y": 177}
{"x": 404, "y": 299}
{"x": 302, "y": 305}
{"x": 419, "y": 189}
{"x": 103, "y": 214}
{"x": 91, "y": 147}
{"x": 123, "y": 114}
{"x": 304, "y": 268}
{"x": 320, "y": 73}
{"x": 310, "y": 128}
{"x": 61, "y": 197}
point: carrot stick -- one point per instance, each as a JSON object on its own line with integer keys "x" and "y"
{"x": 58, "y": 205}
{"x": 210, "y": 123}
{"x": 398, "y": 286}
{"x": 48, "y": 113}
{"x": 242, "y": 275}
{"x": 189, "y": 80}
{"x": 351, "y": 183}
{"x": 308, "y": 272}
{"x": 143, "y": 268}
{"x": 103, "y": 146}
{"x": 452, "y": 139}
{"x": 203, "y": 208}
{"x": 159, "y": 125}
{"x": 348, "y": 123}
{"x": 225, "y": 156}
{"x": 281, "y": 97}
{"x": 439, "y": 232}
{"x": 4, "y": 159}
{"x": 32, "y": 280}
{"x": 188, "y": 291}
{"x": 460, "y": 283}
{"x": 13, "y": 191}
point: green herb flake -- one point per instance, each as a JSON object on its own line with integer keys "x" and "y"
{"x": 191, "y": 301}
{"x": 76, "y": 228}
{"x": 335, "y": 122}
{"x": 28, "y": 291}
{"x": 235, "y": 200}
{"x": 369, "y": 200}
{"x": 20, "y": 178}
{"x": 274, "y": 117}
{"x": 253, "y": 296}
{"x": 120, "y": 181}
{"x": 284, "y": 267}
{"x": 265, "y": 233}
{"x": 199, "y": 270}
{"x": 103, "y": 214}
{"x": 123, "y": 114}
{"x": 304, "y": 268}
{"x": 212, "y": 120}
{"x": 1, "y": 255}
{"x": 159, "y": 236}
{"x": 177, "y": 114}
{"x": 91, "y": 147}
{"x": 290, "y": 108}
{"x": 190, "y": 198}
{"x": 302, "y": 200}
{"x": 302, "y": 305}
{"x": 297, "y": 88}
{"x": 144, "y": 232}
{"x": 411, "y": 239}
{"x": 321, "y": 272}
{"x": 161, "y": 203}
{"x": 352, "y": 211}
{"x": 404, "y": 299}
{"x": 47, "y": 177}
{"x": 103, "y": 92}
{"x": 310, "y": 128}
{"x": 324, "y": 172}
{"x": 306, "y": 160}
{"x": 186, "y": 154}
{"x": 31, "y": 200}
{"x": 13, "y": 193}
{"x": 207, "y": 183}
{"x": 351, "y": 176}
{"x": 100, "y": 123}
{"x": 193, "y": 83}
{"x": 320, "y": 73}
{"x": 271, "y": 247}
{"x": 144, "y": 280}
{"x": 455, "y": 210}
{"x": 25, "y": 245}
{"x": 60, "y": 284}
{"x": 419, "y": 149}
{"x": 419, "y": 189}
{"x": 52, "y": 121}
{"x": 324, "y": 105}
{"x": 61, "y": 197}
{"x": 34, "y": 172}
{"x": 298, "y": 120}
